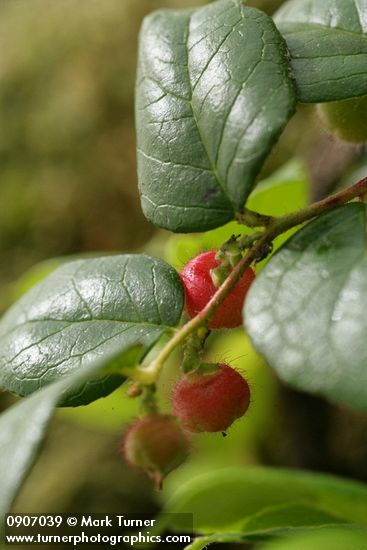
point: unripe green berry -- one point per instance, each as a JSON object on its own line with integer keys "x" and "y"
{"x": 157, "y": 444}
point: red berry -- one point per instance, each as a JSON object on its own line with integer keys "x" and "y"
{"x": 199, "y": 288}
{"x": 157, "y": 444}
{"x": 211, "y": 402}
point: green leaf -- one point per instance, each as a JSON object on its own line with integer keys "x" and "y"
{"x": 327, "y": 539}
{"x": 200, "y": 543}
{"x": 81, "y": 311}
{"x": 23, "y": 426}
{"x": 289, "y": 516}
{"x": 213, "y": 95}
{"x": 257, "y": 501}
{"x": 327, "y": 42}
{"x": 40, "y": 270}
{"x": 284, "y": 191}
{"x": 306, "y": 312}
{"x": 203, "y": 542}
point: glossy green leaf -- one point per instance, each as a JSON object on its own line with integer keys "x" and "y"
{"x": 81, "y": 311}
{"x": 284, "y": 191}
{"x": 327, "y": 539}
{"x": 213, "y": 95}
{"x": 306, "y": 312}
{"x": 23, "y": 426}
{"x": 255, "y": 501}
{"x": 327, "y": 42}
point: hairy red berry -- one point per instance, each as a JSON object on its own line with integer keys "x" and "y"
{"x": 211, "y": 402}
{"x": 157, "y": 444}
{"x": 199, "y": 288}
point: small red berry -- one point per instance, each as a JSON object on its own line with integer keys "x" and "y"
{"x": 157, "y": 444}
{"x": 199, "y": 288}
{"x": 211, "y": 402}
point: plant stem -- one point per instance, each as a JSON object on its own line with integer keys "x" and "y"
{"x": 248, "y": 240}
{"x": 254, "y": 219}
{"x": 149, "y": 403}
{"x": 148, "y": 374}
{"x": 193, "y": 350}
{"x": 284, "y": 223}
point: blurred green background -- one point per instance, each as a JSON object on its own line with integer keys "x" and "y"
{"x": 68, "y": 186}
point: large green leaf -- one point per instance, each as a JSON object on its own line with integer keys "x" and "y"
{"x": 213, "y": 94}
{"x": 23, "y": 426}
{"x": 306, "y": 312}
{"x": 327, "y": 42}
{"x": 81, "y": 311}
{"x": 256, "y": 501}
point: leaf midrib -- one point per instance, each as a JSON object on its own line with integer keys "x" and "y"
{"x": 191, "y": 90}
{"x": 97, "y": 320}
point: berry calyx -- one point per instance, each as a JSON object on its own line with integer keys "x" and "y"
{"x": 199, "y": 288}
{"x": 157, "y": 444}
{"x": 210, "y": 401}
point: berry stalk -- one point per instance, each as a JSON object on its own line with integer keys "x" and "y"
{"x": 149, "y": 374}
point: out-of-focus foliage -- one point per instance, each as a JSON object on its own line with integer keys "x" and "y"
{"x": 328, "y": 539}
{"x": 265, "y": 500}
